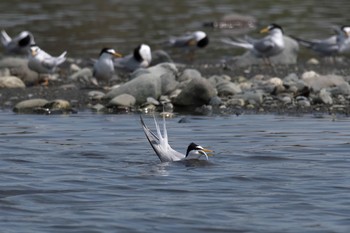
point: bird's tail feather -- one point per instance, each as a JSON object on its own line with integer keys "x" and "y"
{"x": 61, "y": 58}
{"x": 5, "y": 38}
{"x": 241, "y": 43}
{"x": 303, "y": 42}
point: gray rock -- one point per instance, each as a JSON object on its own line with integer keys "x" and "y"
{"x": 27, "y": 106}
{"x": 215, "y": 101}
{"x": 341, "y": 89}
{"x": 317, "y": 82}
{"x": 189, "y": 74}
{"x": 288, "y": 56}
{"x": 11, "y": 82}
{"x": 96, "y": 95}
{"x": 153, "y": 101}
{"x": 325, "y": 97}
{"x": 124, "y": 100}
{"x": 98, "y": 108}
{"x": 236, "y": 102}
{"x": 253, "y": 97}
{"x": 83, "y": 75}
{"x": 160, "y": 56}
{"x": 58, "y": 104}
{"x": 152, "y": 82}
{"x": 226, "y": 88}
{"x": 197, "y": 92}
{"x": 19, "y": 67}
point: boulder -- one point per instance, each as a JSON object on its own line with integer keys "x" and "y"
{"x": 124, "y": 100}
{"x": 27, "y": 106}
{"x": 11, "y": 82}
{"x": 197, "y": 92}
{"x": 19, "y": 67}
{"x": 152, "y": 82}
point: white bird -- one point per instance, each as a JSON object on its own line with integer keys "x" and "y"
{"x": 266, "y": 47}
{"x": 42, "y": 62}
{"x": 192, "y": 40}
{"x": 345, "y": 40}
{"x": 164, "y": 151}
{"x": 331, "y": 46}
{"x": 104, "y": 67}
{"x": 19, "y": 44}
{"x": 140, "y": 58}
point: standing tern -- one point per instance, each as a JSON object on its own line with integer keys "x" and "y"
{"x": 192, "y": 40}
{"x": 164, "y": 151}
{"x": 42, "y": 62}
{"x": 330, "y": 46}
{"x": 266, "y": 47}
{"x": 104, "y": 67}
{"x": 19, "y": 44}
{"x": 140, "y": 58}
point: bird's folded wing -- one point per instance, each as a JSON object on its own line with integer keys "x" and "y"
{"x": 264, "y": 46}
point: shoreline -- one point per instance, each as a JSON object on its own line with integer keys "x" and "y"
{"x": 285, "y": 89}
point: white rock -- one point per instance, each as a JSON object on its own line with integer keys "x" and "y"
{"x": 11, "y": 82}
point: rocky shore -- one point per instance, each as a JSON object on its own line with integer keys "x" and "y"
{"x": 230, "y": 87}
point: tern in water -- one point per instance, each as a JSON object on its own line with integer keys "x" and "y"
{"x": 266, "y": 47}
{"x": 140, "y": 58}
{"x": 19, "y": 44}
{"x": 164, "y": 151}
{"x": 42, "y": 62}
{"x": 331, "y": 46}
{"x": 192, "y": 40}
{"x": 104, "y": 67}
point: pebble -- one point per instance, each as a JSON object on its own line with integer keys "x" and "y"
{"x": 168, "y": 86}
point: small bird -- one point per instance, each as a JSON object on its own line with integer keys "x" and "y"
{"x": 345, "y": 40}
{"x": 104, "y": 67}
{"x": 42, "y": 62}
{"x": 192, "y": 40}
{"x": 266, "y": 47}
{"x": 164, "y": 151}
{"x": 331, "y": 46}
{"x": 18, "y": 45}
{"x": 140, "y": 58}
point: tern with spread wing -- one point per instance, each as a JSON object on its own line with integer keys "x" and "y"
{"x": 266, "y": 47}
{"x": 18, "y": 44}
{"x": 164, "y": 151}
{"x": 42, "y": 62}
{"x": 191, "y": 40}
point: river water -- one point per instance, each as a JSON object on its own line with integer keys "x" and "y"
{"x": 97, "y": 173}
{"x": 83, "y": 27}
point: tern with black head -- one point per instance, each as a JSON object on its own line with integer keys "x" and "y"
{"x": 163, "y": 149}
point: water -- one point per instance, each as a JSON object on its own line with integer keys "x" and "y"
{"x": 97, "y": 173}
{"x": 84, "y": 27}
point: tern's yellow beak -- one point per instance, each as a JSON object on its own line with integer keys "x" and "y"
{"x": 117, "y": 54}
{"x": 264, "y": 30}
{"x": 209, "y": 152}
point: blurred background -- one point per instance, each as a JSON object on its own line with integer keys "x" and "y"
{"x": 83, "y": 27}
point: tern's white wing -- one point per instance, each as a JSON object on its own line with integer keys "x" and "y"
{"x": 5, "y": 38}
{"x": 160, "y": 143}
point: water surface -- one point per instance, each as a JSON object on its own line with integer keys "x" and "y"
{"x": 97, "y": 173}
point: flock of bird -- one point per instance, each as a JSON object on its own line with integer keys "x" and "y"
{"x": 109, "y": 60}
{"x": 266, "y": 47}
